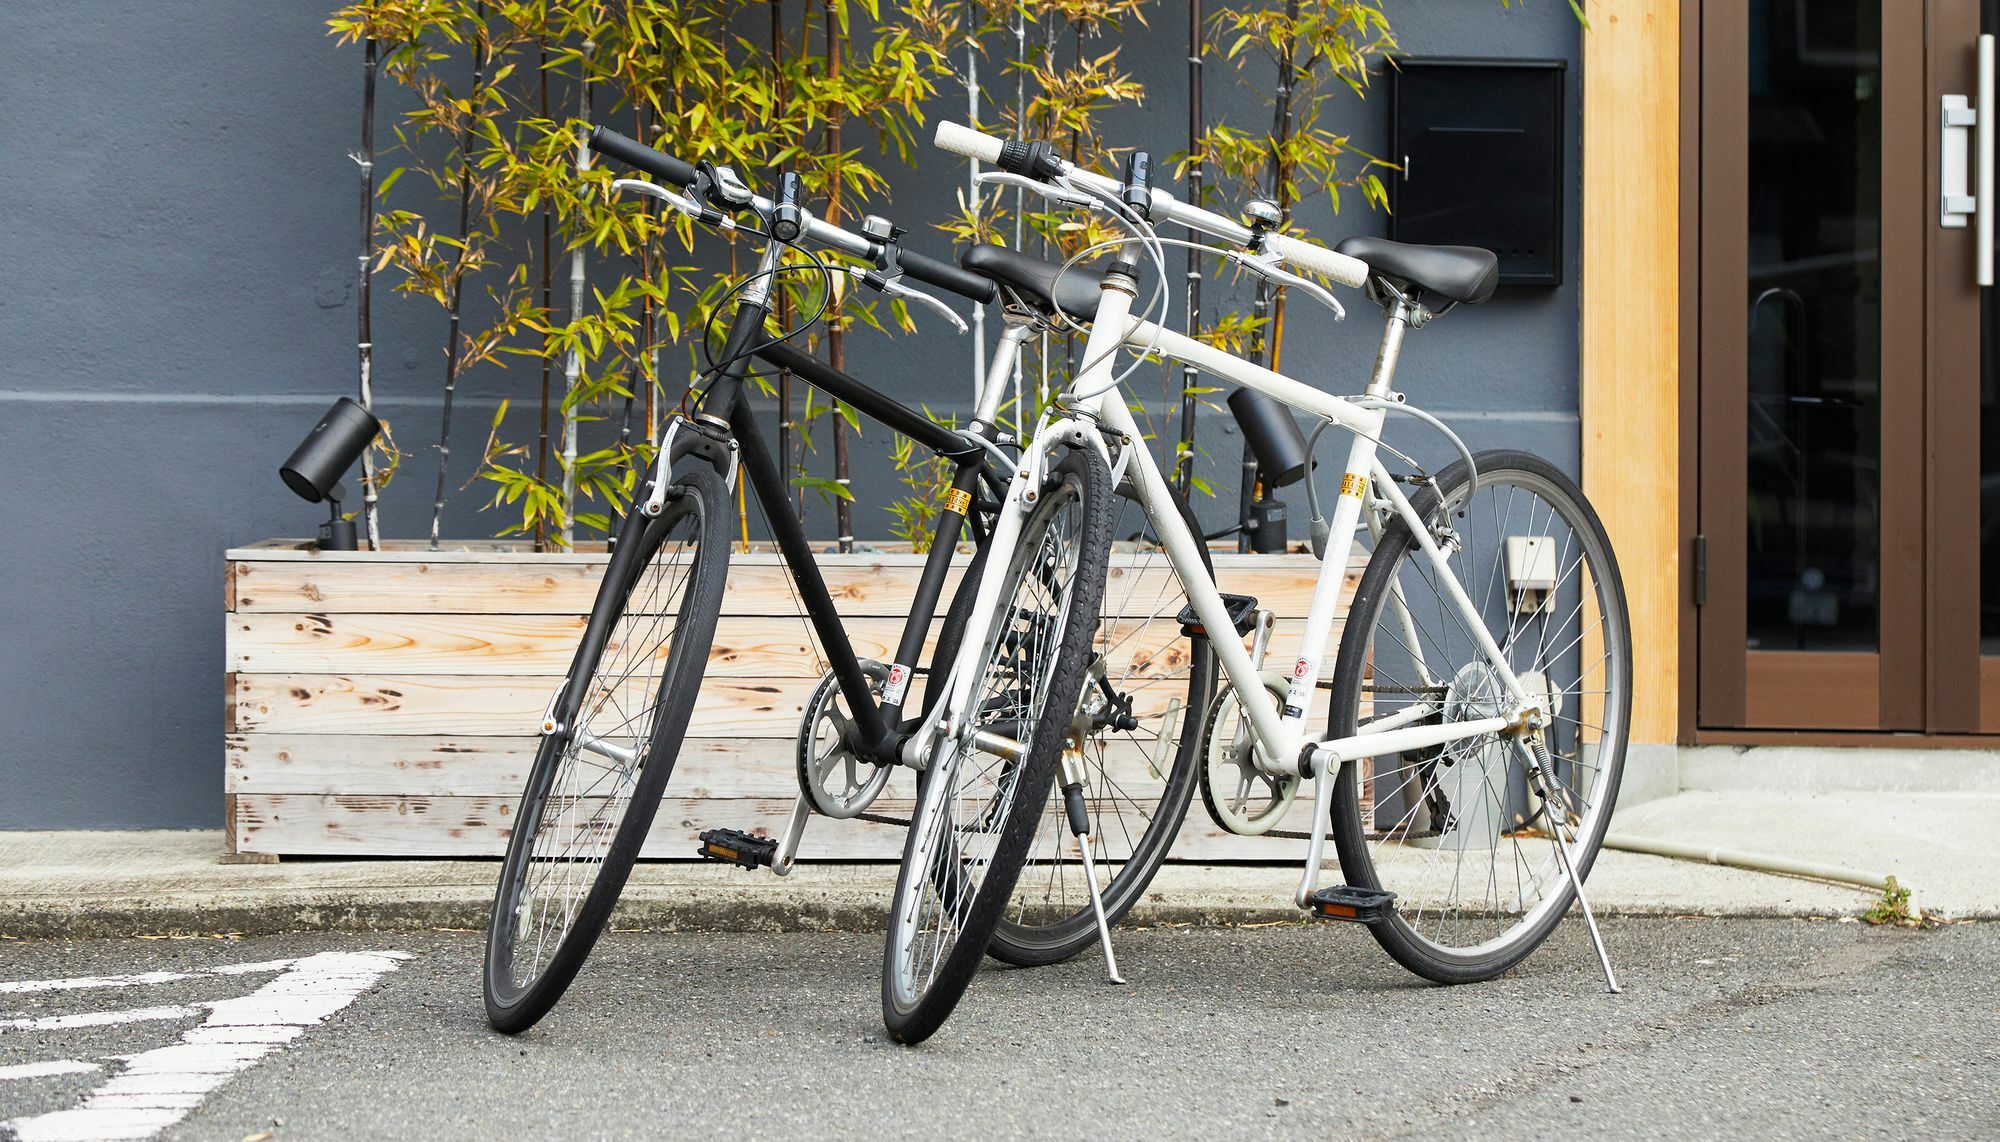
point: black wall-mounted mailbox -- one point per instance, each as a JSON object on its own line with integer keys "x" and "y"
{"x": 1480, "y": 143}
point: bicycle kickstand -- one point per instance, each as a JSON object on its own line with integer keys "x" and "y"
{"x": 1538, "y": 754}
{"x": 1079, "y": 827}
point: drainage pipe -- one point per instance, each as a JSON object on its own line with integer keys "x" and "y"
{"x": 1759, "y": 862}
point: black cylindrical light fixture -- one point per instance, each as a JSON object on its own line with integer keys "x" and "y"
{"x": 329, "y": 450}
{"x": 323, "y": 457}
{"x": 1273, "y": 436}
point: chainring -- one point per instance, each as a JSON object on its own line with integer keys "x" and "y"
{"x": 832, "y": 779}
{"x": 1239, "y": 796}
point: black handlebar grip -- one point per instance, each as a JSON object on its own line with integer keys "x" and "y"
{"x": 633, "y": 153}
{"x": 944, "y": 275}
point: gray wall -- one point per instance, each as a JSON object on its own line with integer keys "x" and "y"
{"x": 178, "y": 226}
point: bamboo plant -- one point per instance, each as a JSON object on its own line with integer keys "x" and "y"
{"x": 500, "y": 94}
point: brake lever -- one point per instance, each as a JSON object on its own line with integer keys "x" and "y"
{"x": 893, "y": 287}
{"x": 706, "y": 215}
{"x": 1050, "y": 190}
{"x": 1266, "y": 265}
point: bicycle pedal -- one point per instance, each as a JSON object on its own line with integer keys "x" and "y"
{"x": 1242, "y": 614}
{"x": 1346, "y": 902}
{"x": 733, "y": 846}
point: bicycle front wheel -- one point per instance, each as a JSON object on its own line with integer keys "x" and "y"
{"x": 1463, "y": 833}
{"x": 983, "y": 790}
{"x": 1137, "y": 725}
{"x": 598, "y": 778}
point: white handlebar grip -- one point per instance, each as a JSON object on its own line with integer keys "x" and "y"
{"x": 963, "y": 140}
{"x": 1320, "y": 260}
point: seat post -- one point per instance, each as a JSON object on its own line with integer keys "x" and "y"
{"x": 1400, "y": 311}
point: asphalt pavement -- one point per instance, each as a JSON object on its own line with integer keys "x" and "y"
{"x": 1729, "y": 1027}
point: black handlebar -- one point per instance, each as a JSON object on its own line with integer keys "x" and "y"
{"x": 661, "y": 165}
{"x": 633, "y": 153}
{"x": 944, "y": 275}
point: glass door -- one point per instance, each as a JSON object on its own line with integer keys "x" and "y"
{"x": 1849, "y": 477}
{"x": 1812, "y": 475}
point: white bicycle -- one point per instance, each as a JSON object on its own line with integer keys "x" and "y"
{"x": 1481, "y": 692}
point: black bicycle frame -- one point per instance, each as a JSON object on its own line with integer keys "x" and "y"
{"x": 881, "y": 728}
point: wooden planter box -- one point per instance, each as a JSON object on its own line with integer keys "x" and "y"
{"x": 385, "y": 703}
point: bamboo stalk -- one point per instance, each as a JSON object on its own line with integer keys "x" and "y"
{"x": 573, "y": 363}
{"x": 843, "y": 506}
{"x": 1270, "y": 301}
{"x": 1075, "y": 157}
{"x": 364, "y": 339}
{"x": 1191, "y": 313}
{"x": 973, "y": 203}
{"x": 1020, "y": 209}
{"x": 548, "y": 305}
{"x": 637, "y": 377}
{"x": 452, "y": 342}
{"x": 784, "y": 296}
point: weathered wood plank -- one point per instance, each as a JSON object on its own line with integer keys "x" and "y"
{"x": 498, "y": 766}
{"x": 476, "y": 766}
{"x": 478, "y": 826}
{"x": 745, "y": 646}
{"x": 508, "y": 705}
{"x": 481, "y": 706}
{"x": 757, "y": 585}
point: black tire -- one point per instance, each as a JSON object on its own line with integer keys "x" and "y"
{"x": 965, "y": 873}
{"x": 686, "y": 550}
{"x": 1454, "y": 941}
{"x": 1145, "y": 660}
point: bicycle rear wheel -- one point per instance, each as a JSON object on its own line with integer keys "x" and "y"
{"x": 598, "y": 778}
{"x": 976, "y": 807}
{"x": 1137, "y": 723}
{"x": 1463, "y": 833}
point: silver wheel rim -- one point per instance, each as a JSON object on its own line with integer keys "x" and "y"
{"x": 590, "y": 793}
{"x": 1138, "y": 653}
{"x": 971, "y": 794}
{"x": 1459, "y": 899}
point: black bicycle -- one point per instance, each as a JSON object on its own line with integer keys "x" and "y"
{"x": 613, "y": 729}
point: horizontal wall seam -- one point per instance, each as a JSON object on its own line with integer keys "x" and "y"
{"x": 45, "y": 396}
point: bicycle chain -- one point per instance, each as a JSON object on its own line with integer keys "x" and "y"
{"x": 880, "y": 819}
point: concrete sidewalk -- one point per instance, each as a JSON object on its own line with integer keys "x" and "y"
{"x": 167, "y": 883}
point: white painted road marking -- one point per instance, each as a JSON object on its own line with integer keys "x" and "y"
{"x": 101, "y": 1018}
{"x": 19, "y": 987}
{"x": 158, "y": 1088}
{"x": 39, "y": 1070}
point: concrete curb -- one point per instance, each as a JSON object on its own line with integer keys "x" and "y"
{"x": 772, "y": 912}
{"x": 97, "y": 885}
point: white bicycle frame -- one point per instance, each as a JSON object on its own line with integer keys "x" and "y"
{"x": 1282, "y": 745}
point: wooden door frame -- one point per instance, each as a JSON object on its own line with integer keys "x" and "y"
{"x": 1965, "y": 690}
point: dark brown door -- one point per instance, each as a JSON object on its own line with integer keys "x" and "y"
{"x": 1841, "y": 378}
{"x": 1811, "y": 288}
{"x": 1964, "y": 427}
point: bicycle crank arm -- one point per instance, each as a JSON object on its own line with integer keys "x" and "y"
{"x": 795, "y": 830}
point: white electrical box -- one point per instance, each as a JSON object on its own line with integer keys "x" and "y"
{"x": 1531, "y": 572}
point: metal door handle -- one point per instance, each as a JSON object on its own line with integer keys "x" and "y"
{"x": 1983, "y": 228}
